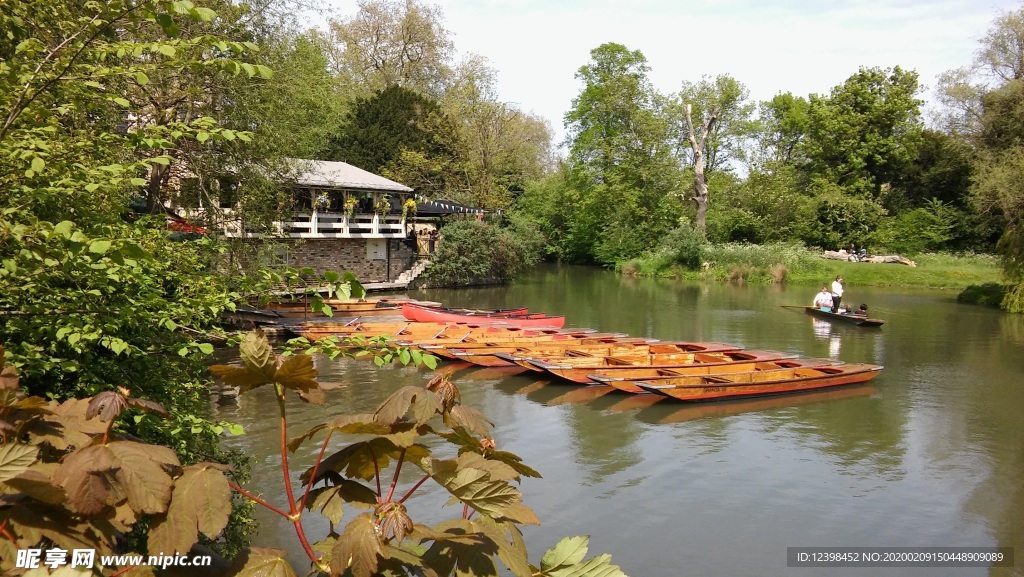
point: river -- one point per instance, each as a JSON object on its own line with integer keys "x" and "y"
{"x": 929, "y": 454}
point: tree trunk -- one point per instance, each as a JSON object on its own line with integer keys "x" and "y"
{"x": 700, "y": 183}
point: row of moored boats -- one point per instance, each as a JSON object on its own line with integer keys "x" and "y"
{"x": 688, "y": 371}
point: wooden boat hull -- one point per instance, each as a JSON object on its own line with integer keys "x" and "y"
{"x": 416, "y": 330}
{"x": 639, "y": 354}
{"x": 439, "y": 345}
{"x": 488, "y": 355}
{"x": 761, "y": 383}
{"x": 346, "y": 308}
{"x": 616, "y": 369}
{"x": 859, "y": 320}
{"x": 628, "y": 382}
{"x": 428, "y": 314}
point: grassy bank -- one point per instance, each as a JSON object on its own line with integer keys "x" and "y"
{"x": 792, "y": 263}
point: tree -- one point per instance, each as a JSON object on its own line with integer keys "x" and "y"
{"x": 393, "y": 42}
{"x": 783, "y": 125}
{"x": 865, "y": 132}
{"x": 622, "y": 168}
{"x": 723, "y": 120}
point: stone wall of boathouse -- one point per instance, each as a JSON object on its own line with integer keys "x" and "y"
{"x": 371, "y": 260}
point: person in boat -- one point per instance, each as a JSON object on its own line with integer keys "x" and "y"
{"x": 862, "y": 310}
{"x": 837, "y": 293}
{"x": 823, "y": 300}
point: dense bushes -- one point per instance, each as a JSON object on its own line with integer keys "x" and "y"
{"x": 477, "y": 252}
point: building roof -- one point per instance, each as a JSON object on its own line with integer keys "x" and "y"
{"x": 342, "y": 175}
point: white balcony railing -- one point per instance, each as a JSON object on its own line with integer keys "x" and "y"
{"x": 323, "y": 225}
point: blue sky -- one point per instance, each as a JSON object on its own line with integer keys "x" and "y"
{"x": 798, "y": 46}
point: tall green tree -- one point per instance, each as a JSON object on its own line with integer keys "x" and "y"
{"x": 624, "y": 176}
{"x": 865, "y": 132}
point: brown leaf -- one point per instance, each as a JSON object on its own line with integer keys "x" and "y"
{"x": 297, "y": 373}
{"x": 66, "y": 426}
{"x": 15, "y": 459}
{"x": 148, "y": 406}
{"x": 313, "y": 396}
{"x": 511, "y": 547}
{"x": 359, "y": 424}
{"x": 144, "y": 480}
{"x": 470, "y": 419}
{"x": 244, "y": 378}
{"x": 261, "y": 562}
{"x": 87, "y": 476}
{"x": 358, "y": 549}
{"x": 394, "y": 520}
{"x": 8, "y": 373}
{"x": 201, "y": 501}
{"x": 257, "y": 355}
{"x": 496, "y": 470}
{"x": 295, "y": 443}
{"x": 106, "y": 405}
{"x": 328, "y": 501}
{"x": 356, "y": 460}
{"x": 422, "y": 403}
{"x": 38, "y": 486}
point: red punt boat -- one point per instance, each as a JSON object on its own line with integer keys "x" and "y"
{"x": 517, "y": 317}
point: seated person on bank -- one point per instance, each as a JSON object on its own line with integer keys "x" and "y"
{"x": 823, "y": 300}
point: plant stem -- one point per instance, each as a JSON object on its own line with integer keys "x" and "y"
{"x": 316, "y": 466}
{"x": 295, "y": 514}
{"x": 465, "y": 510}
{"x": 256, "y": 499}
{"x": 376, "y": 473}
{"x": 394, "y": 480}
{"x": 414, "y": 487}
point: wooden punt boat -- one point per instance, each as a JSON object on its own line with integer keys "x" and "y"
{"x": 859, "y": 320}
{"x": 638, "y": 354}
{"x": 737, "y": 406}
{"x": 758, "y": 383}
{"x": 345, "y": 308}
{"x": 488, "y": 356}
{"x": 431, "y": 314}
{"x": 489, "y": 343}
{"x": 627, "y": 368}
{"x": 628, "y": 382}
{"x": 416, "y": 330}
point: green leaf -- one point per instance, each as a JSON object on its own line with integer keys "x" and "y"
{"x": 202, "y": 136}
{"x": 297, "y": 373}
{"x": 205, "y": 348}
{"x": 204, "y": 14}
{"x": 38, "y": 164}
{"x": 236, "y": 429}
{"x": 256, "y": 354}
{"x": 63, "y": 228}
{"x": 430, "y": 361}
{"x": 121, "y": 101}
{"x": 99, "y": 246}
{"x": 141, "y": 78}
{"x": 264, "y": 71}
{"x": 15, "y": 459}
{"x": 167, "y": 50}
{"x": 568, "y": 551}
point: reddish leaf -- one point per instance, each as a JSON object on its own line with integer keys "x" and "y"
{"x": 87, "y": 476}
{"x": 66, "y": 425}
{"x": 496, "y": 470}
{"x": 8, "y": 373}
{"x": 38, "y": 486}
{"x": 294, "y": 444}
{"x": 394, "y": 520}
{"x": 148, "y": 406}
{"x": 106, "y": 405}
{"x": 470, "y": 419}
{"x": 356, "y": 460}
{"x": 358, "y": 549}
{"x": 201, "y": 501}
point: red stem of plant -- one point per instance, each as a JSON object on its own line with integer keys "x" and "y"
{"x": 316, "y": 467}
{"x": 257, "y": 500}
{"x": 465, "y": 510}
{"x": 414, "y": 487}
{"x": 295, "y": 513}
{"x": 394, "y": 480}
{"x": 376, "y": 473}
{"x": 5, "y": 532}
{"x": 123, "y": 571}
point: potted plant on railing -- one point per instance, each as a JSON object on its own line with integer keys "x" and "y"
{"x": 409, "y": 208}
{"x": 383, "y": 206}
{"x": 320, "y": 202}
{"x": 350, "y": 206}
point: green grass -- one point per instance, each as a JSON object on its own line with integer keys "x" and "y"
{"x": 794, "y": 264}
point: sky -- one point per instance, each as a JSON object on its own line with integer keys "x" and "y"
{"x": 771, "y": 46}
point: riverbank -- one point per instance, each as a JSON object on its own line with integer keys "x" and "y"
{"x": 794, "y": 264}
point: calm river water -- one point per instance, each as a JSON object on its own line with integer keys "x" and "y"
{"x": 931, "y": 454}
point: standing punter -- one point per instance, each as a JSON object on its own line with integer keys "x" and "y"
{"x": 837, "y": 293}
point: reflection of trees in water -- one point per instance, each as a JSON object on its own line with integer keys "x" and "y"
{"x": 604, "y": 444}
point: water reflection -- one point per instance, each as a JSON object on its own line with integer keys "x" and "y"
{"x": 823, "y": 330}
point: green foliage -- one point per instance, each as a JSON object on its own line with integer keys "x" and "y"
{"x": 474, "y": 252}
{"x": 917, "y": 231}
{"x": 864, "y": 133}
{"x": 988, "y": 294}
{"x": 840, "y": 219}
